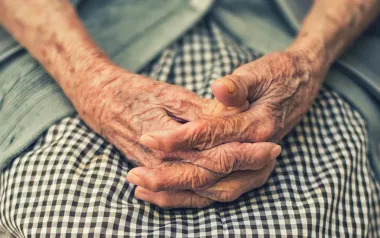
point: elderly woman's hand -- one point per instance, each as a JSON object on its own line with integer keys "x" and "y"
{"x": 279, "y": 87}
{"x": 227, "y": 189}
{"x": 122, "y": 106}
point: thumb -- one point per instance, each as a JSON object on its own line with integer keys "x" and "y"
{"x": 230, "y": 91}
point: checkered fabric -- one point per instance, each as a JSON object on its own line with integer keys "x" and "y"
{"x": 71, "y": 182}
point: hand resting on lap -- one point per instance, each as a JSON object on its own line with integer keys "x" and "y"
{"x": 279, "y": 88}
{"x": 121, "y": 106}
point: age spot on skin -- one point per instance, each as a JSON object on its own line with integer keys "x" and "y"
{"x": 19, "y": 24}
{"x": 362, "y": 7}
{"x": 48, "y": 62}
{"x": 304, "y": 34}
{"x": 43, "y": 52}
{"x": 352, "y": 21}
{"x": 40, "y": 28}
{"x": 59, "y": 47}
{"x": 45, "y": 57}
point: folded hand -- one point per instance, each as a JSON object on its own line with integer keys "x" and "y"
{"x": 279, "y": 88}
{"x": 122, "y": 106}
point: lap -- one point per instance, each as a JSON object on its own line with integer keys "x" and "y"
{"x": 72, "y": 181}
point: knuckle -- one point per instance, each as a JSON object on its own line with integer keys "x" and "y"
{"x": 226, "y": 161}
{"x": 202, "y": 137}
{"x": 164, "y": 202}
{"x": 253, "y": 72}
{"x": 220, "y": 160}
{"x": 199, "y": 180}
{"x": 194, "y": 137}
{"x": 264, "y": 132}
{"x": 237, "y": 128}
{"x": 258, "y": 157}
{"x": 216, "y": 131}
{"x": 250, "y": 158}
{"x": 210, "y": 108}
{"x": 263, "y": 175}
{"x": 200, "y": 202}
{"x": 263, "y": 128}
{"x": 156, "y": 185}
{"x": 260, "y": 181}
{"x": 226, "y": 195}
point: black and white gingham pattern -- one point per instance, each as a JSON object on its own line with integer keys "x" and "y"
{"x": 71, "y": 182}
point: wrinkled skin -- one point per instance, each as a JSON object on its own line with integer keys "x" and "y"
{"x": 226, "y": 189}
{"x": 122, "y": 106}
{"x": 279, "y": 87}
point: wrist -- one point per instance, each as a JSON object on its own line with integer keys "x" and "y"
{"x": 314, "y": 52}
{"x": 65, "y": 61}
{"x": 88, "y": 90}
{"x": 77, "y": 77}
{"x": 89, "y": 76}
{"x": 75, "y": 65}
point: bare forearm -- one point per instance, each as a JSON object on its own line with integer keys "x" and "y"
{"x": 331, "y": 26}
{"x": 52, "y": 32}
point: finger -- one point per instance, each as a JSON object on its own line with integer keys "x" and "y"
{"x": 230, "y": 91}
{"x": 237, "y": 183}
{"x": 194, "y": 108}
{"x": 188, "y": 106}
{"x": 251, "y": 126}
{"x": 232, "y": 156}
{"x": 173, "y": 199}
{"x": 248, "y": 82}
{"x": 198, "y": 170}
{"x": 214, "y": 108}
{"x": 174, "y": 177}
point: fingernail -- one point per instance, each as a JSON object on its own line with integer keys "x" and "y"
{"x": 275, "y": 152}
{"x": 133, "y": 178}
{"x": 149, "y": 141}
{"x": 228, "y": 83}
